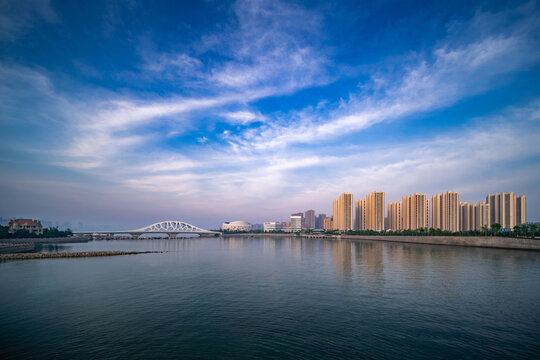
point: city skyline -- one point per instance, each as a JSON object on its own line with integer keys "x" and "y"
{"x": 397, "y": 215}
{"x": 445, "y": 211}
{"x": 128, "y": 113}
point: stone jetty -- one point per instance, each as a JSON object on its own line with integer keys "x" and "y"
{"x": 53, "y": 255}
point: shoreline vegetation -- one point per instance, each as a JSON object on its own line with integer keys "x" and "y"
{"x": 51, "y": 232}
{"x": 56, "y": 255}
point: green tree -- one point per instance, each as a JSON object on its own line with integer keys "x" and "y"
{"x": 496, "y": 227}
{"x": 4, "y": 232}
{"x": 485, "y": 229}
{"x": 533, "y": 229}
{"x": 523, "y": 231}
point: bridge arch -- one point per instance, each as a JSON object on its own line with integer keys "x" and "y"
{"x": 172, "y": 226}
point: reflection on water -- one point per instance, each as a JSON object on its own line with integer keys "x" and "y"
{"x": 342, "y": 255}
{"x": 412, "y": 262}
{"x": 279, "y": 297}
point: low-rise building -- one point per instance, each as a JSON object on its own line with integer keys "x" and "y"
{"x": 257, "y": 226}
{"x": 32, "y": 226}
{"x": 272, "y": 226}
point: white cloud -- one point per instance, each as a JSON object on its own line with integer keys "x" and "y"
{"x": 484, "y": 156}
{"x": 455, "y": 73}
{"x": 270, "y": 45}
{"x": 242, "y": 117}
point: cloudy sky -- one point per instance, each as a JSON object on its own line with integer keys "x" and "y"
{"x": 120, "y": 114}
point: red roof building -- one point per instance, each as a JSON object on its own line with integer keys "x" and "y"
{"x": 33, "y": 226}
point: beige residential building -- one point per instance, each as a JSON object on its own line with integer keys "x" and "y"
{"x": 445, "y": 214}
{"x": 481, "y": 215}
{"x": 428, "y": 213}
{"x": 474, "y": 216}
{"x": 360, "y": 214}
{"x": 334, "y": 213}
{"x": 415, "y": 210}
{"x": 343, "y": 212}
{"x": 507, "y": 209}
{"x": 395, "y": 219}
{"x": 466, "y": 220}
{"x": 521, "y": 210}
{"x": 328, "y": 223}
{"x": 493, "y": 200}
{"x": 375, "y": 211}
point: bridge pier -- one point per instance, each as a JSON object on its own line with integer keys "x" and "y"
{"x": 135, "y": 236}
{"x": 209, "y": 235}
{"x": 172, "y": 236}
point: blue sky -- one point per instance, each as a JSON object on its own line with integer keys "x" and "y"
{"x": 126, "y": 113}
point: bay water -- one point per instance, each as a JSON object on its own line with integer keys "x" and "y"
{"x": 272, "y": 297}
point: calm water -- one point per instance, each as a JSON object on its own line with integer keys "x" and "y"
{"x": 272, "y": 298}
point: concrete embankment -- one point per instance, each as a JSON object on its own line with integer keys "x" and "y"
{"x": 259, "y": 235}
{"x": 29, "y": 244}
{"x": 475, "y": 241}
{"x": 30, "y": 256}
{"x": 310, "y": 236}
{"x": 16, "y": 248}
{"x": 55, "y": 240}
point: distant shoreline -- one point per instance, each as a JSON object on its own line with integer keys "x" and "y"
{"x": 472, "y": 241}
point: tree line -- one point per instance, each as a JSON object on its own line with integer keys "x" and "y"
{"x": 526, "y": 231}
{"x": 47, "y": 233}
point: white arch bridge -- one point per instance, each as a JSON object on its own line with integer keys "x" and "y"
{"x": 171, "y": 228}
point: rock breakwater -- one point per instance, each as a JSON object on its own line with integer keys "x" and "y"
{"x": 30, "y": 256}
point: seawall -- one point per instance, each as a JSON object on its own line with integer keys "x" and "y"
{"x": 29, "y": 244}
{"x": 475, "y": 241}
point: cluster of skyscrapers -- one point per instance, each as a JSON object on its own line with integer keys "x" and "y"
{"x": 443, "y": 211}
{"x": 298, "y": 221}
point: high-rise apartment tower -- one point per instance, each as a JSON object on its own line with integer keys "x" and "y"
{"x": 310, "y": 219}
{"x": 360, "y": 214}
{"x": 507, "y": 209}
{"x": 375, "y": 211}
{"x": 343, "y": 212}
{"x": 445, "y": 214}
{"x": 415, "y": 210}
{"x": 395, "y": 218}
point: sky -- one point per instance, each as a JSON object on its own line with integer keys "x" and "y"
{"x": 119, "y": 114}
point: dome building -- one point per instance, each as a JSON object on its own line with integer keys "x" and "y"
{"x": 236, "y": 226}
